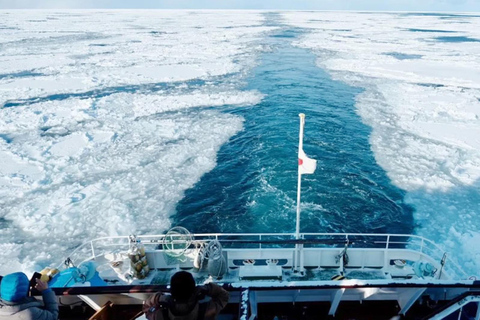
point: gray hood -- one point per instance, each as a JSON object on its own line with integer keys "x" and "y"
{"x": 11, "y": 308}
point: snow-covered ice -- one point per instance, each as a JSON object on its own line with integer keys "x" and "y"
{"x": 100, "y": 108}
{"x": 421, "y": 80}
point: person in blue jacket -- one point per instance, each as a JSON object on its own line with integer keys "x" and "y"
{"x": 15, "y": 304}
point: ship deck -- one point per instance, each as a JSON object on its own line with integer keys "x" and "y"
{"x": 272, "y": 274}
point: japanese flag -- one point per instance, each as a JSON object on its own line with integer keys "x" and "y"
{"x": 305, "y": 164}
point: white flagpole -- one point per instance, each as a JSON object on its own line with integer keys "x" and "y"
{"x": 300, "y": 147}
{"x": 299, "y": 187}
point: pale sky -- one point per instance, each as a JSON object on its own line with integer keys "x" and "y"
{"x": 377, "y": 5}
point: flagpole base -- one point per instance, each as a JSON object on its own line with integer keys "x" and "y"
{"x": 298, "y": 273}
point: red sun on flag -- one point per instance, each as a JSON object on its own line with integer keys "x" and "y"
{"x": 300, "y": 161}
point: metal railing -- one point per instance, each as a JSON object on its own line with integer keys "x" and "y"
{"x": 100, "y": 246}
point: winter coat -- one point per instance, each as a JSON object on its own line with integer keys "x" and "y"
{"x": 161, "y": 304}
{"x": 30, "y": 308}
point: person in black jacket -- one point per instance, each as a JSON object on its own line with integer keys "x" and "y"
{"x": 183, "y": 303}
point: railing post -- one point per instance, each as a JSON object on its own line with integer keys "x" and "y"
{"x": 294, "y": 261}
{"x": 386, "y": 255}
{"x": 93, "y": 250}
{"x": 302, "y": 255}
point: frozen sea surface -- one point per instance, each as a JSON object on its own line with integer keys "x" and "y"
{"x": 106, "y": 119}
{"x": 120, "y": 122}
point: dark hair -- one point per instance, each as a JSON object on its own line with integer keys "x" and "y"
{"x": 182, "y": 286}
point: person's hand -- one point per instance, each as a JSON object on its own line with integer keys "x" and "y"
{"x": 41, "y": 286}
{"x": 202, "y": 291}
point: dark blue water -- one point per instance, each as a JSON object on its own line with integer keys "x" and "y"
{"x": 456, "y": 39}
{"x": 440, "y": 15}
{"x": 253, "y": 186}
{"x": 6, "y": 138}
{"x": 430, "y": 30}
{"x": 104, "y": 92}
{"x": 22, "y": 74}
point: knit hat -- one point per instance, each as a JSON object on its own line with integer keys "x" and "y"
{"x": 182, "y": 286}
{"x": 14, "y": 287}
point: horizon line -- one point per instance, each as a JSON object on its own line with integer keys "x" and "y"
{"x": 239, "y": 9}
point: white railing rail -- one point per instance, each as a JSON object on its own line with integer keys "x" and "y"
{"x": 100, "y": 246}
